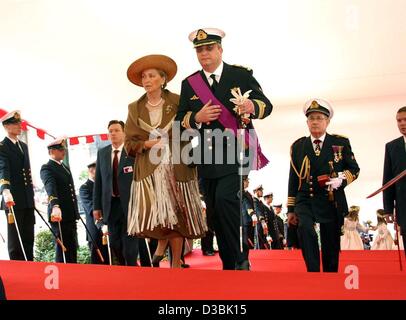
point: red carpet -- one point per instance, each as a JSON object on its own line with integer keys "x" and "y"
{"x": 274, "y": 275}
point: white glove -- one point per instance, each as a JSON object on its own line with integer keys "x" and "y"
{"x": 56, "y": 214}
{"x": 254, "y": 219}
{"x": 269, "y": 239}
{"x": 334, "y": 183}
{"x": 8, "y": 197}
{"x": 105, "y": 229}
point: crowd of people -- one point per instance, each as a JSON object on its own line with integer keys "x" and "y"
{"x": 145, "y": 190}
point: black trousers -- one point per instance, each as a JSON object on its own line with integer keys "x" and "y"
{"x": 330, "y": 244}
{"x": 70, "y": 241}
{"x": 25, "y": 221}
{"x": 404, "y": 240}
{"x": 94, "y": 256}
{"x": 223, "y": 208}
{"x": 124, "y": 247}
{"x": 207, "y": 241}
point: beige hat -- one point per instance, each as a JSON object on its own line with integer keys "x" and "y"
{"x": 153, "y": 61}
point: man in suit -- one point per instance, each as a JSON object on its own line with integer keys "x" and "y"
{"x": 86, "y": 195}
{"x": 62, "y": 203}
{"x": 114, "y": 172}
{"x": 205, "y": 105}
{"x": 17, "y": 188}
{"x": 394, "y": 198}
{"x": 322, "y": 165}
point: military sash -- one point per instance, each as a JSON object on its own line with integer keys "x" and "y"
{"x": 227, "y": 119}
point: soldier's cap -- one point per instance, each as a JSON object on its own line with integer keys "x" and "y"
{"x": 152, "y": 61}
{"x": 268, "y": 195}
{"x": 91, "y": 165}
{"x": 205, "y": 36}
{"x": 11, "y": 117}
{"x": 278, "y": 205}
{"x": 259, "y": 188}
{"x": 318, "y": 105}
{"x": 57, "y": 144}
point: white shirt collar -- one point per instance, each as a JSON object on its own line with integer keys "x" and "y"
{"x": 216, "y": 72}
{"x": 120, "y": 148}
{"x": 12, "y": 140}
{"x": 321, "y": 138}
{"x": 404, "y": 138}
{"x": 58, "y": 162}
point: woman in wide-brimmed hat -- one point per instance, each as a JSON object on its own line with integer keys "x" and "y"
{"x": 165, "y": 201}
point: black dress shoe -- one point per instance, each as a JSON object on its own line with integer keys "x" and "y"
{"x": 185, "y": 265}
{"x": 208, "y": 253}
{"x": 244, "y": 265}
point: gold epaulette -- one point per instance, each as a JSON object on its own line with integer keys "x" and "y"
{"x": 4, "y": 181}
{"x": 339, "y": 136}
{"x": 301, "y": 138}
{"x": 243, "y": 67}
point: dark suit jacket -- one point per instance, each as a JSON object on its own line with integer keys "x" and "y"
{"x": 58, "y": 183}
{"x": 86, "y": 195}
{"x": 395, "y": 196}
{"x": 189, "y": 105}
{"x": 306, "y": 192}
{"x": 15, "y": 174}
{"x": 103, "y": 187}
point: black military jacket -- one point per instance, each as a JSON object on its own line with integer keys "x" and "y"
{"x": 305, "y": 169}
{"x": 15, "y": 174}
{"x": 190, "y": 104}
{"x": 58, "y": 183}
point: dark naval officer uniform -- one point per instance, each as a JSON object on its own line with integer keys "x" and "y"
{"x": 221, "y": 181}
{"x": 58, "y": 183}
{"x": 309, "y": 199}
{"x": 15, "y": 175}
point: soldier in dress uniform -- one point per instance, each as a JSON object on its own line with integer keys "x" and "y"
{"x": 86, "y": 195}
{"x": 62, "y": 203}
{"x": 322, "y": 165}
{"x": 17, "y": 188}
{"x": 205, "y": 105}
{"x": 280, "y": 224}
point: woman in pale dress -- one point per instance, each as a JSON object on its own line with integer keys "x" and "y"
{"x": 165, "y": 201}
{"x": 351, "y": 239}
{"x": 383, "y": 239}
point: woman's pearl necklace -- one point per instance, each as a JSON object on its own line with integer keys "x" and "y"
{"x": 155, "y": 105}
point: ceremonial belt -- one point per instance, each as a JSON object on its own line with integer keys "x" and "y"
{"x": 227, "y": 119}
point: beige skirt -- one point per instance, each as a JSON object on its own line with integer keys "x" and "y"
{"x": 160, "y": 205}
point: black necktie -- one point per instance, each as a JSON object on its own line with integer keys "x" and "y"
{"x": 215, "y": 83}
{"x": 19, "y": 147}
{"x": 317, "y": 149}
{"x": 116, "y": 192}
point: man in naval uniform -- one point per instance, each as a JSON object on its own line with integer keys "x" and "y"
{"x": 62, "y": 203}
{"x": 322, "y": 165}
{"x": 17, "y": 188}
{"x": 205, "y": 105}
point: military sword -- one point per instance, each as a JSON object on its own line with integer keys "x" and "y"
{"x": 388, "y": 184}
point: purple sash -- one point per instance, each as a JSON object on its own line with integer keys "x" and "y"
{"x": 227, "y": 119}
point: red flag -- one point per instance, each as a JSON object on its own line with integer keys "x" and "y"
{"x": 73, "y": 141}
{"x": 41, "y": 133}
{"x": 104, "y": 137}
{"x": 24, "y": 125}
{"x": 89, "y": 139}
